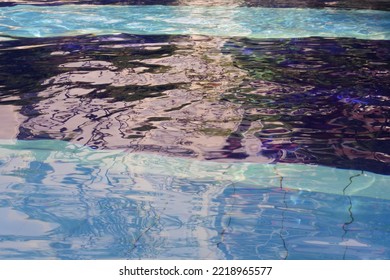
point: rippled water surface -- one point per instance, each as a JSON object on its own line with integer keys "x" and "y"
{"x": 66, "y": 201}
{"x": 344, "y": 4}
{"x": 255, "y": 22}
{"x": 314, "y": 100}
{"x": 177, "y": 132}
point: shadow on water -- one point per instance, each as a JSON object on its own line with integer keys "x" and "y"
{"x": 310, "y": 100}
{"x": 318, "y": 100}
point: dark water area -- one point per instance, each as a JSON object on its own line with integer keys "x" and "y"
{"x": 313, "y": 100}
{"x": 319, "y": 100}
{"x": 383, "y": 5}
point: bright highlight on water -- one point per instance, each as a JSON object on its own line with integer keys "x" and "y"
{"x": 40, "y": 21}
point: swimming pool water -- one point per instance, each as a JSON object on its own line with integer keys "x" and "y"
{"x": 194, "y": 132}
{"x": 60, "y": 200}
{"x": 254, "y": 22}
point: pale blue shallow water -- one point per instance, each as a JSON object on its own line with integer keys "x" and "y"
{"x": 59, "y": 200}
{"x": 41, "y": 21}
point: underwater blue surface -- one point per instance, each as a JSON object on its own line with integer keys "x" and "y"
{"x": 254, "y": 22}
{"x": 64, "y": 201}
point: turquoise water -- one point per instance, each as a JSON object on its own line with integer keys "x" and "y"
{"x": 60, "y": 200}
{"x": 41, "y": 21}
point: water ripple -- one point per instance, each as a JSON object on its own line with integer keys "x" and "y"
{"x": 202, "y": 20}
{"x": 90, "y": 204}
